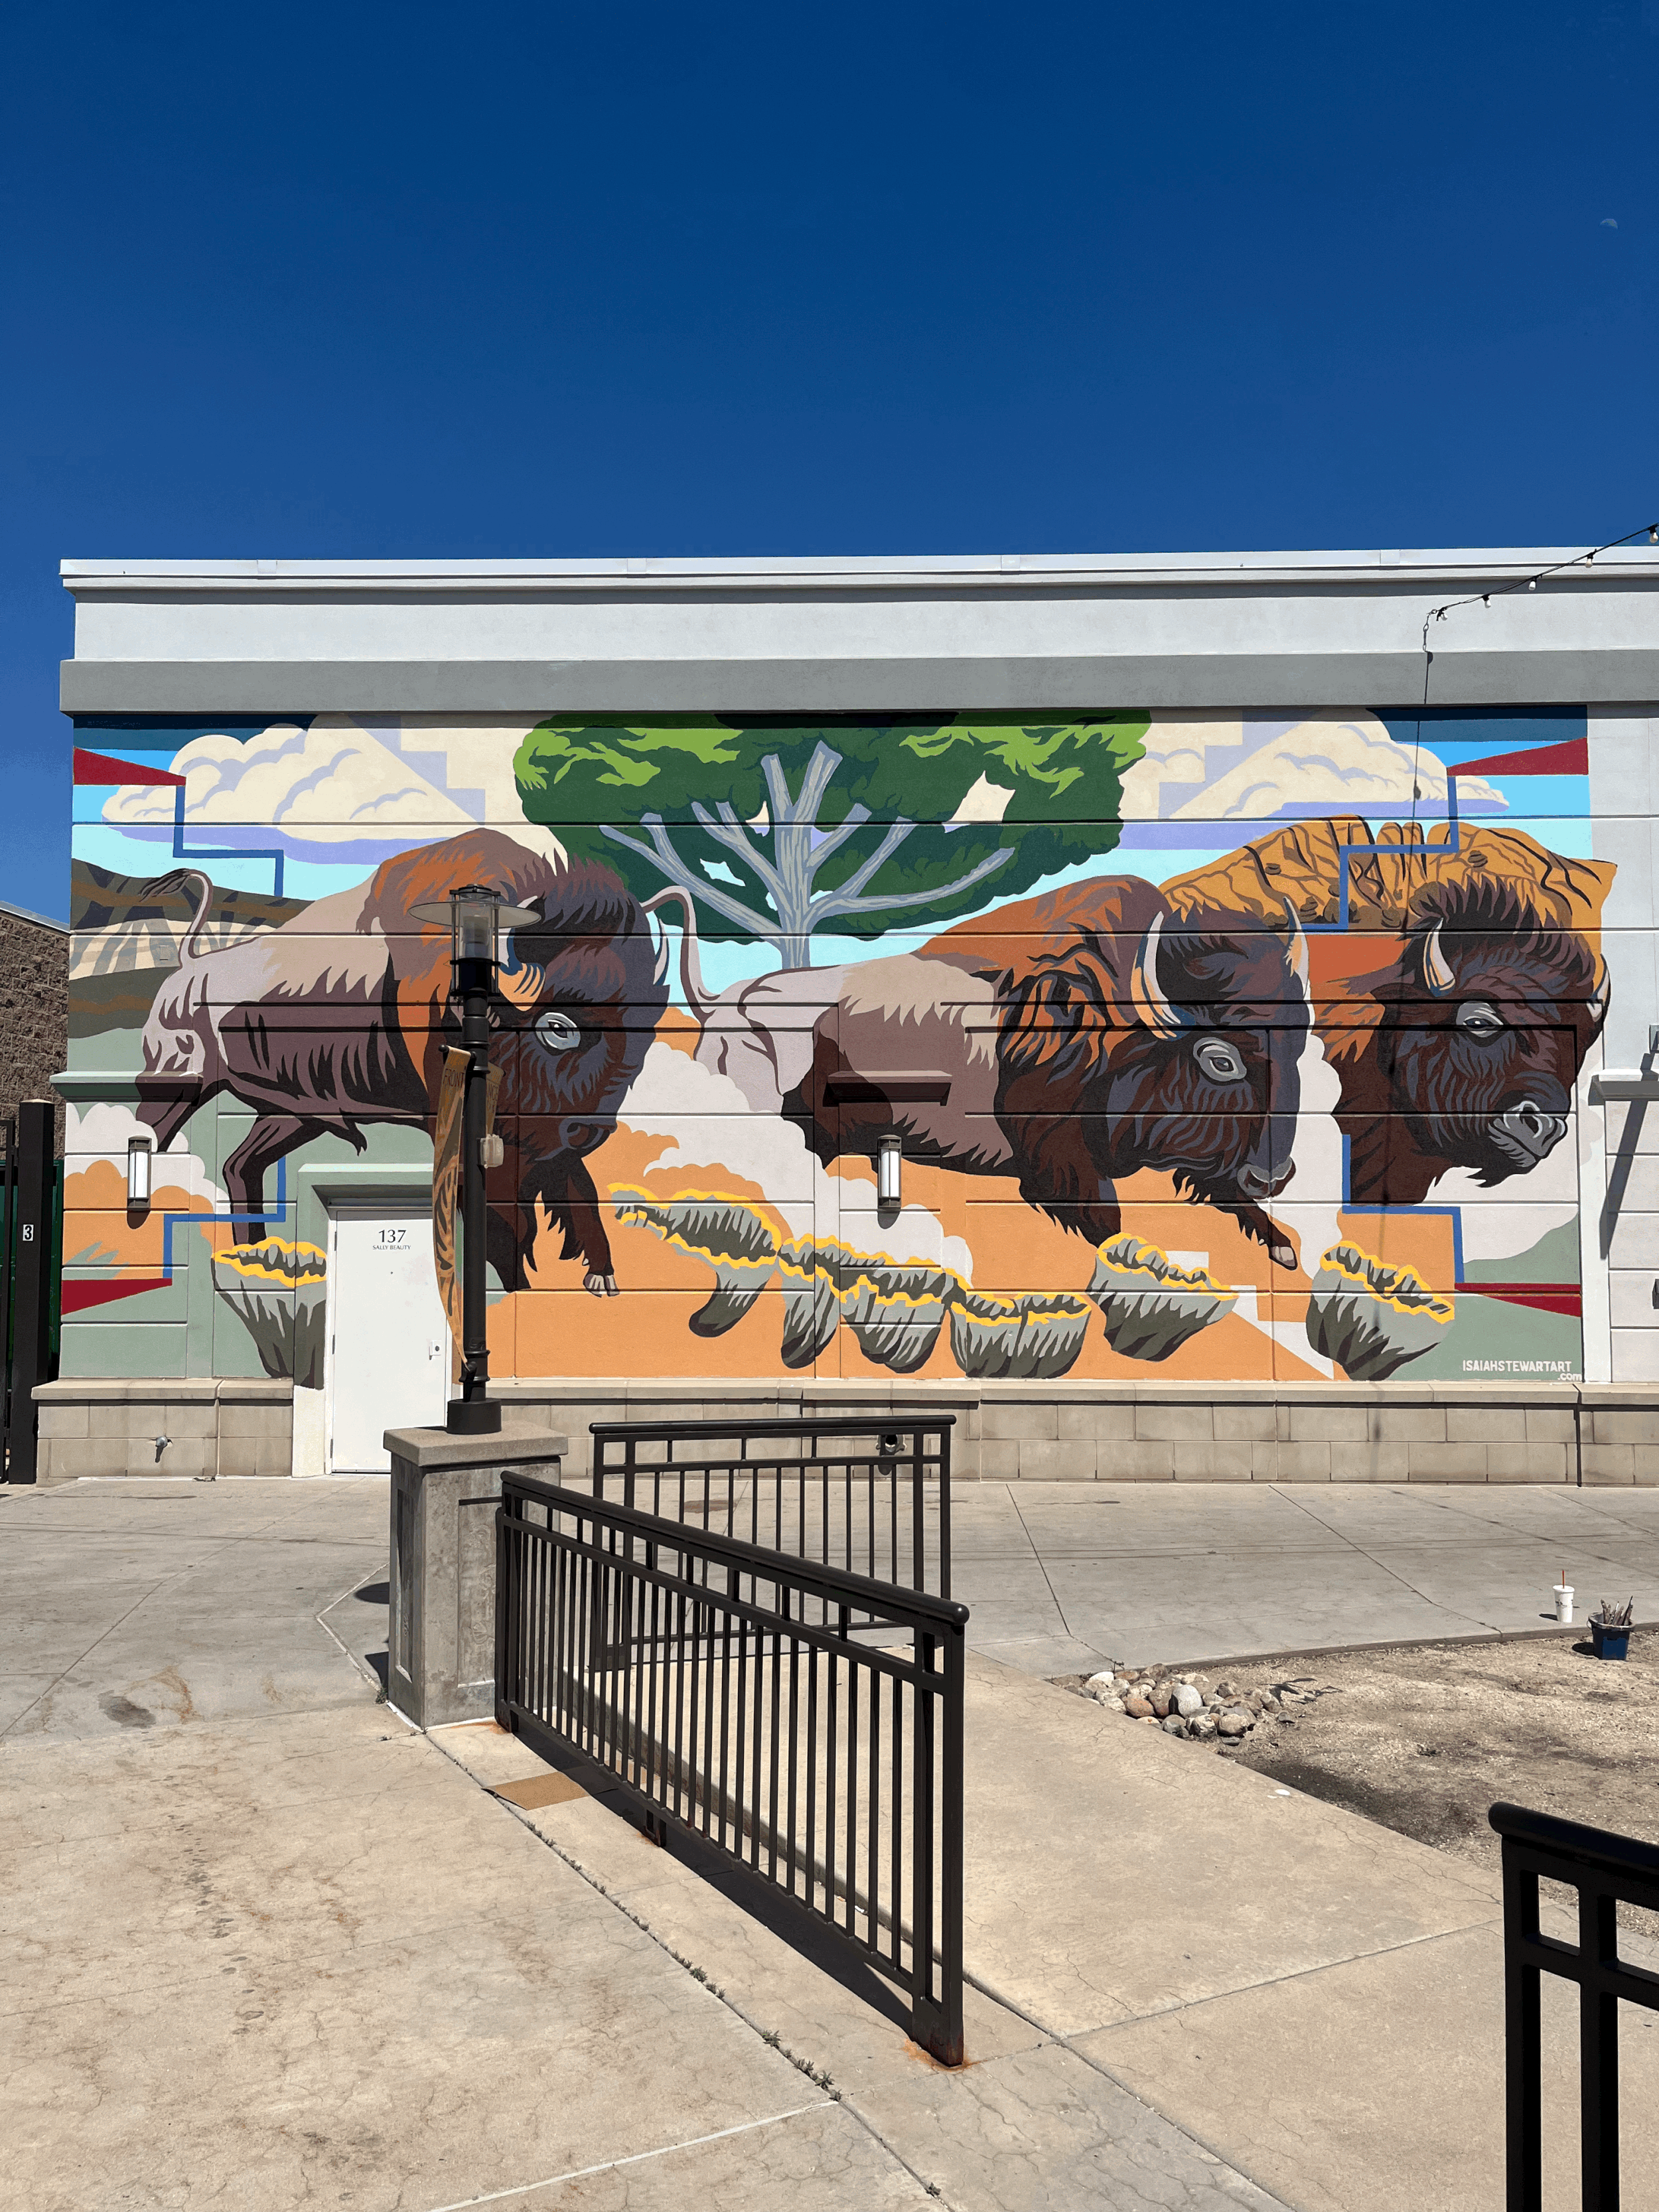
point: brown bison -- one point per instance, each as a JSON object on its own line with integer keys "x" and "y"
{"x": 339, "y": 1019}
{"x": 1076, "y": 1038}
{"x": 1457, "y": 1005}
{"x": 1482, "y": 1025}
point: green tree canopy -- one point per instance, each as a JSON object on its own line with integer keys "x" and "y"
{"x": 778, "y": 829}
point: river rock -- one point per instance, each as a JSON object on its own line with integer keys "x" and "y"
{"x": 1189, "y": 1702}
{"x": 1232, "y": 1724}
{"x": 1174, "y": 1725}
{"x": 1202, "y": 1727}
{"x": 1162, "y": 1700}
{"x": 1138, "y": 1708}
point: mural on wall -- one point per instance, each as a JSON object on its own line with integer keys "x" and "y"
{"x": 1228, "y": 1048}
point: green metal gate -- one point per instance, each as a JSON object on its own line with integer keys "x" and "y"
{"x": 31, "y": 1276}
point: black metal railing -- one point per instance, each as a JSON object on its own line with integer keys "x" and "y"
{"x": 852, "y": 1492}
{"x": 1606, "y": 1870}
{"x": 716, "y": 1684}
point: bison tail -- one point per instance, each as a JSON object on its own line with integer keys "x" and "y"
{"x": 203, "y": 883}
{"x": 176, "y": 879}
{"x": 691, "y": 983}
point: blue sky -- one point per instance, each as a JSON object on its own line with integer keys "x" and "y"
{"x": 542, "y": 280}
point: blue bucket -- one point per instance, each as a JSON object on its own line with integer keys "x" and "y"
{"x": 1610, "y": 1643}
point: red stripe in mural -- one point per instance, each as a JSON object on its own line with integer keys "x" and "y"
{"x": 1545, "y": 1297}
{"x": 77, "y": 1296}
{"x": 1571, "y": 758}
{"x": 102, "y": 768}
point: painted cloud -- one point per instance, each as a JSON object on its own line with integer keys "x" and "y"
{"x": 339, "y": 790}
{"x": 1197, "y": 768}
{"x": 334, "y": 786}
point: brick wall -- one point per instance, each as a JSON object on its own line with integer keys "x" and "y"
{"x": 33, "y": 1010}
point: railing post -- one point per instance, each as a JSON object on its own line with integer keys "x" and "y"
{"x": 507, "y": 1602}
{"x": 924, "y": 1747}
{"x": 951, "y": 1847}
{"x": 944, "y": 1510}
{"x": 1522, "y": 2092}
{"x": 1598, "y": 2047}
{"x": 918, "y": 1515}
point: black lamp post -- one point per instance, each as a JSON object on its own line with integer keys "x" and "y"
{"x": 475, "y": 916}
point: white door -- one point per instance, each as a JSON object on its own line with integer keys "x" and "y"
{"x": 388, "y": 1346}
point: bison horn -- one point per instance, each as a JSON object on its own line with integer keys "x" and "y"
{"x": 1296, "y": 952}
{"x": 1155, "y": 1010}
{"x": 1437, "y": 974}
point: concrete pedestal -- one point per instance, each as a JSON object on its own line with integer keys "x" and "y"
{"x": 441, "y": 1640}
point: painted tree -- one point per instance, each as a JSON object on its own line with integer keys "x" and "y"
{"x": 779, "y": 830}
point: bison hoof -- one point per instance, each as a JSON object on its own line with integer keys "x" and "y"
{"x": 1284, "y": 1255}
{"x": 602, "y": 1286}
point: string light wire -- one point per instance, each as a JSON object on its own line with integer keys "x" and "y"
{"x": 1648, "y": 530}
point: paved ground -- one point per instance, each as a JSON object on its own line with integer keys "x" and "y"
{"x": 261, "y": 1945}
{"x": 1061, "y": 1577}
{"x": 127, "y": 1605}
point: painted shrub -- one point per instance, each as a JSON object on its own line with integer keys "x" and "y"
{"x": 1228, "y": 1048}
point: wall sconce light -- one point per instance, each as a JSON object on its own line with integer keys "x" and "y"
{"x": 138, "y": 1167}
{"x": 889, "y": 1154}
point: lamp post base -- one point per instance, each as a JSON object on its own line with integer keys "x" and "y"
{"x": 474, "y": 1417}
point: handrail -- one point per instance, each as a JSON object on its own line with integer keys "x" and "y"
{"x": 894, "y": 1601}
{"x": 839, "y": 1424}
{"x": 1600, "y": 1847}
{"x": 852, "y": 1489}
{"x": 826, "y": 1769}
{"x": 1605, "y": 1870}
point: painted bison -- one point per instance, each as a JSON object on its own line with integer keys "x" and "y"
{"x": 1458, "y": 1002}
{"x": 339, "y": 1019}
{"x": 1482, "y": 1025}
{"x": 1076, "y": 1039}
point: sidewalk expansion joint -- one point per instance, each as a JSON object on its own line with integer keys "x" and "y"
{"x": 1226, "y": 2157}
{"x": 816, "y": 2075}
{"x": 633, "y": 2158}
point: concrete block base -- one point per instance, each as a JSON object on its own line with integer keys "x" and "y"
{"x": 441, "y": 1635}
{"x": 209, "y": 1427}
{"x": 1570, "y": 1433}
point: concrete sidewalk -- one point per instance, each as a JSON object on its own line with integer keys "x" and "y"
{"x": 1061, "y": 1578}
{"x": 263, "y": 1944}
{"x": 268, "y": 1946}
{"x": 130, "y": 1605}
